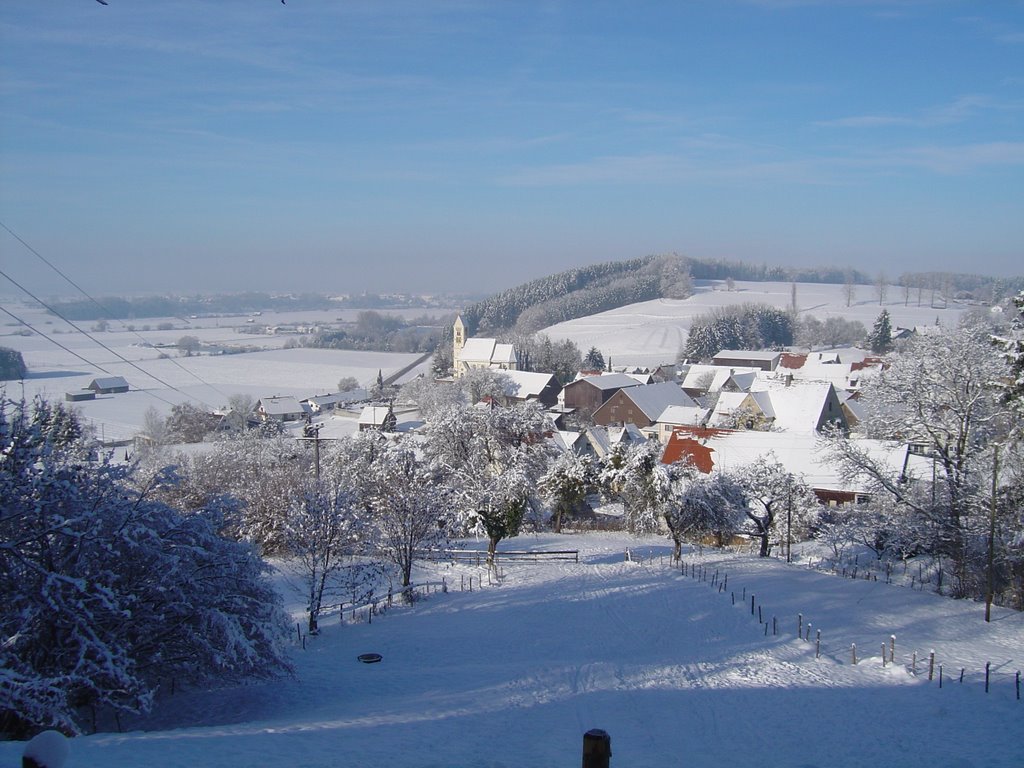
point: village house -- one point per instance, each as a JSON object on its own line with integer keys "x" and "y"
{"x": 748, "y": 358}
{"x": 641, "y": 405}
{"x": 589, "y": 393}
{"x": 329, "y": 402}
{"x": 389, "y": 418}
{"x": 529, "y": 386}
{"x": 699, "y": 379}
{"x": 280, "y": 409}
{"x": 787, "y": 406}
{"x": 680, "y": 416}
{"x": 802, "y": 454}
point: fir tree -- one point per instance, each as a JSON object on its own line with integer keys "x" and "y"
{"x": 594, "y": 361}
{"x": 880, "y": 338}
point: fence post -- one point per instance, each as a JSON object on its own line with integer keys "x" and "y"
{"x": 892, "y": 648}
{"x": 987, "y": 665}
{"x": 817, "y": 646}
{"x": 931, "y": 666}
{"x": 853, "y": 653}
{"x": 597, "y": 748}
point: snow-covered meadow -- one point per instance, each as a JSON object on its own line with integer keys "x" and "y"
{"x": 209, "y": 380}
{"x": 514, "y": 672}
{"x": 652, "y": 332}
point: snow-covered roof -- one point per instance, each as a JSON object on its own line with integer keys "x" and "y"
{"x": 108, "y": 382}
{"x": 317, "y": 402}
{"x": 719, "y": 375}
{"x": 566, "y": 440}
{"x": 598, "y": 439}
{"x": 683, "y": 414}
{"x": 795, "y": 407}
{"x": 608, "y": 381}
{"x": 744, "y": 380}
{"x": 279, "y": 406}
{"x": 653, "y": 399}
{"x": 629, "y": 433}
{"x": 800, "y": 453}
{"x": 526, "y": 384}
{"x": 798, "y": 407}
{"x": 747, "y": 354}
{"x": 489, "y": 351}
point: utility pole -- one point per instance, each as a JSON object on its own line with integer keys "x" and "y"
{"x": 789, "y": 520}
{"x": 312, "y": 432}
{"x": 990, "y": 589}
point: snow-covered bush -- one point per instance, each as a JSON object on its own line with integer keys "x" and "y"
{"x": 106, "y": 591}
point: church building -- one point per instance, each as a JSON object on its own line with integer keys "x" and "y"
{"x": 480, "y": 352}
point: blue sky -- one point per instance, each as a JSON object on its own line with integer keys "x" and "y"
{"x": 467, "y": 146}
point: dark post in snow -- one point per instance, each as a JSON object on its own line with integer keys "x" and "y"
{"x": 991, "y": 577}
{"x": 597, "y": 749}
{"x": 789, "y": 519}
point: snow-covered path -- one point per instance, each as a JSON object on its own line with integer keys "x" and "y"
{"x": 513, "y": 675}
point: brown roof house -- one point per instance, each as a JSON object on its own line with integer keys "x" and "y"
{"x": 641, "y": 406}
{"x": 588, "y": 394}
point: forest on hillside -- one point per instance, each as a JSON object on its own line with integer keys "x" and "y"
{"x": 584, "y": 291}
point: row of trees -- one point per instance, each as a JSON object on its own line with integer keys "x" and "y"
{"x": 747, "y": 326}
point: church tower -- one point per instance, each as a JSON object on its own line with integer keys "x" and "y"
{"x": 458, "y": 342}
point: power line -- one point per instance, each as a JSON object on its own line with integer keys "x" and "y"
{"x": 103, "y": 309}
{"x": 36, "y": 330}
{"x": 84, "y": 360}
{"x": 116, "y": 354}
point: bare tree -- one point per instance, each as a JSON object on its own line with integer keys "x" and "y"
{"x": 322, "y": 529}
{"x": 410, "y": 506}
{"x": 881, "y": 287}
{"x": 849, "y": 287}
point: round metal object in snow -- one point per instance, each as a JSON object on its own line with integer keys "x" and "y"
{"x": 369, "y": 658}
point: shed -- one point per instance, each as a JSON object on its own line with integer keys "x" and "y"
{"x": 108, "y": 385}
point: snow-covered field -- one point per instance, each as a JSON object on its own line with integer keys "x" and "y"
{"x": 652, "y": 332}
{"x": 513, "y": 674}
{"x": 158, "y": 382}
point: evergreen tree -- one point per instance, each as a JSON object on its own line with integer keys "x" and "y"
{"x": 594, "y": 361}
{"x": 1012, "y": 348}
{"x": 880, "y": 338}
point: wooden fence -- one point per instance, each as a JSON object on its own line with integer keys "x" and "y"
{"x": 479, "y": 556}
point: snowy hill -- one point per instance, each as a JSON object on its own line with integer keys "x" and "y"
{"x": 652, "y": 332}
{"x": 513, "y": 674}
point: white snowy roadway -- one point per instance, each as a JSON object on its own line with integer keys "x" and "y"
{"x": 513, "y": 675}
